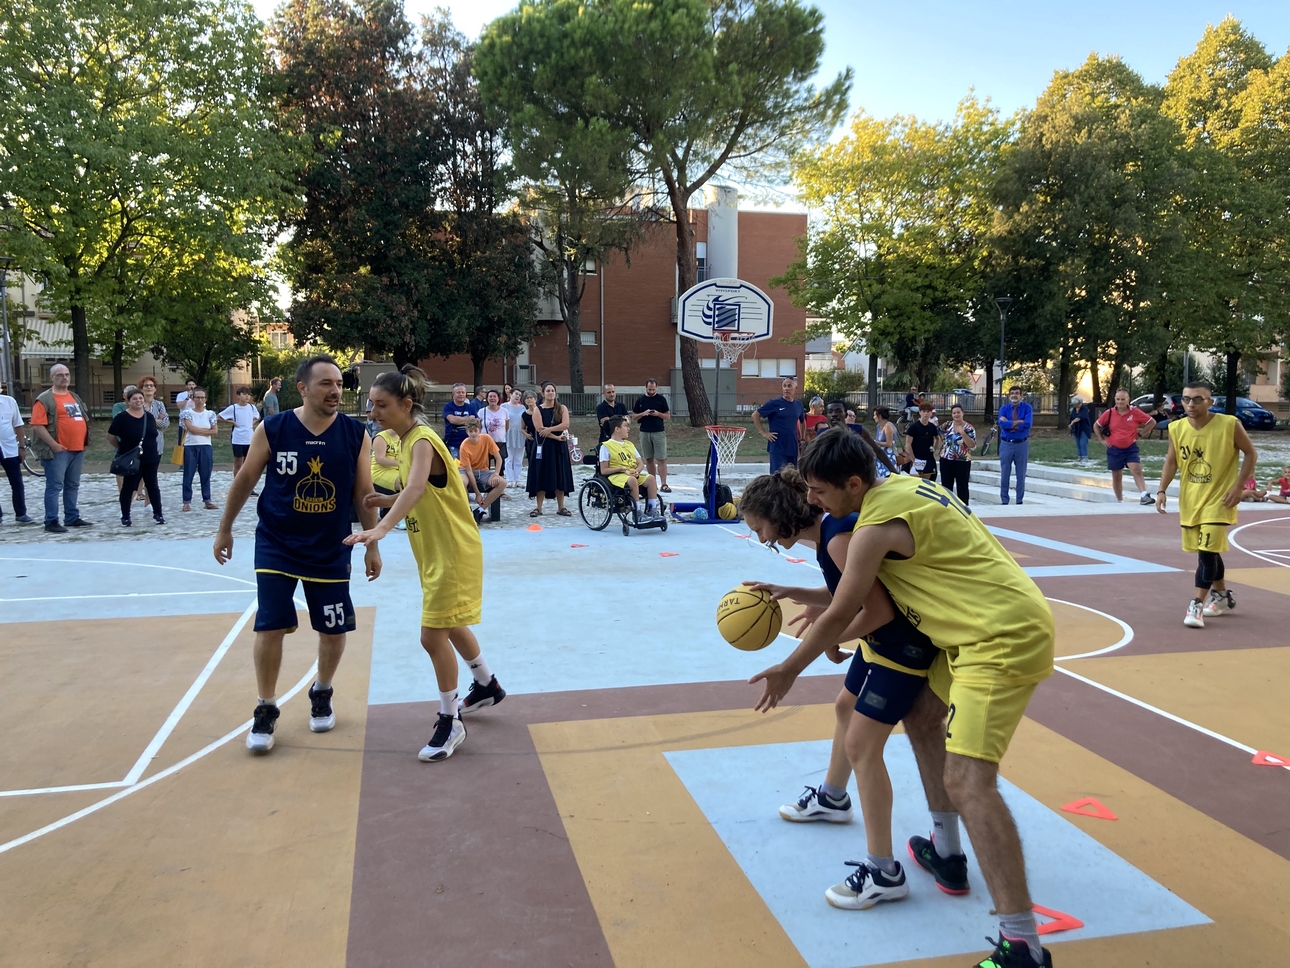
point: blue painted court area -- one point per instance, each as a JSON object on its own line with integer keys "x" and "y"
{"x": 791, "y": 865}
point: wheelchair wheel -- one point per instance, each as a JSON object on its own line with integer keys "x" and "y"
{"x": 626, "y": 529}
{"x": 664, "y": 526}
{"x": 595, "y": 504}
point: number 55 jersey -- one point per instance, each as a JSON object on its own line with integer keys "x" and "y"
{"x": 307, "y": 498}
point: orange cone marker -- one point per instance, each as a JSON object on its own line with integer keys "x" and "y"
{"x": 1060, "y": 922}
{"x": 1088, "y": 807}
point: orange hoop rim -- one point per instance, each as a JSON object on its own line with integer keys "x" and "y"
{"x": 717, "y": 428}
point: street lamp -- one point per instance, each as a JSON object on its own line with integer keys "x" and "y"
{"x": 6, "y": 367}
{"x": 1003, "y": 302}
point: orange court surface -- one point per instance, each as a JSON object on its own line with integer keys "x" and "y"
{"x": 620, "y": 807}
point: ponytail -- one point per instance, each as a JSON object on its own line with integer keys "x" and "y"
{"x": 408, "y": 383}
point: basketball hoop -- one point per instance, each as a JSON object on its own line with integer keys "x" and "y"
{"x": 732, "y": 345}
{"x": 726, "y": 440}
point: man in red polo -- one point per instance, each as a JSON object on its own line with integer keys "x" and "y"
{"x": 1120, "y": 427}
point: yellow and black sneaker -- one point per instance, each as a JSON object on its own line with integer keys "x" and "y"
{"x": 950, "y": 872}
{"x": 1014, "y": 954}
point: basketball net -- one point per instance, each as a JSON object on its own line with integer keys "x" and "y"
{"x": 726, "y": 440}
{"x": 732, "y": 346}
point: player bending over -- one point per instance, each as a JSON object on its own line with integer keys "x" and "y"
{"x": 997, "y": 634}
{"x": 446, "y": 544}
{"x": 1203, "y": 446}
{"x": 879, "y": 690}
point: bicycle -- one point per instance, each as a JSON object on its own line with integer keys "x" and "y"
{"x": 31, "y": 463}
{"x": 989, "y": 439}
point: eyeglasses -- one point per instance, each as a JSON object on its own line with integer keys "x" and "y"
{"x": 1195, "y": 399}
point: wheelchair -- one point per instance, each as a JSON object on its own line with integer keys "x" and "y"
{"x": 599, "y": 501}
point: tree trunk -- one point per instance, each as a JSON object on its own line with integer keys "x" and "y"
{"x": 81, "y": 354}
{"x": 1113, "y": 382}
{"x": 696, "y": 397}
{"x": 573, "y": 324}
{"x": 1064, "y": 392}
{"x": 477, "y": 363}
{"x": 990, "y": 410}
{"x": 118, "y": 363}
{"x": 873, "y": 380}
{"x": 1097, "y": 383}
{"x": 1229, "y": 387}
{"x": 1159, "y": 389}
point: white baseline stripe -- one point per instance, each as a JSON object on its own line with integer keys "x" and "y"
{"x": 77, "y": 598}
{"x": 129, "y": 564}
{"x": 177, "y": 713}
{"x": 64, "y": 789}
{"x": 187, "y": 761}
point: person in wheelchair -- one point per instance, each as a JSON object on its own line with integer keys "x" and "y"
{"x": 622, "y": 466}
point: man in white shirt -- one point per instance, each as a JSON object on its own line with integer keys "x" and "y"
{"x": 13, "y": 448}
{"x": 183, "y": 400}
{"x": 200, "y": 427}
{"x": 244, "y": 417}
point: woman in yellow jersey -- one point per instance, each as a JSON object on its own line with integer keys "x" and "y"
{"x": 1204, "y": 447}
{"x": 997, "y": 635}
{"x": 449, "y": 554}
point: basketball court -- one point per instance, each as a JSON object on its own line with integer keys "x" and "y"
{"x": 619, "y": 808}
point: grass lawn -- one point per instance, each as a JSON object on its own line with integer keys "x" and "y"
{"x": 101, "y": 451}
{"x": 1048, "y": 447}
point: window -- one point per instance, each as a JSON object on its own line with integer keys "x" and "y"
{"x": 769, "y": 368}
{"x": 589, "y": 267}
{"x": 588, "y": 337}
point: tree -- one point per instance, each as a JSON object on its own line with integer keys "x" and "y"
{"x": 137, "y": 137}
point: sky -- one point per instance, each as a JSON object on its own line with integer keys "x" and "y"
{"x": 921, "y": 57}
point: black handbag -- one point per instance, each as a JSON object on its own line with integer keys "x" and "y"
{"x": 127, "y": 464}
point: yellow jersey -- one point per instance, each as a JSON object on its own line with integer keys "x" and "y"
{"x": 622, "y": 457}
{"x": 960, "y": 587}
{"x": 382, "y": 476}
{"x": 445, "y": 541}
{"x": 1207, "y": 466}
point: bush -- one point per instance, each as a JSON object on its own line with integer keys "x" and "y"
{"x": 831, "y": 384}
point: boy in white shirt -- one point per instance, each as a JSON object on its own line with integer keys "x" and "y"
{"x": 245, "y": 417}
{"x": 622, "y": 467}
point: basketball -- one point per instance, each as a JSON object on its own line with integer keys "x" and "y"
{"x": 727, "y": 511}
{"x": 700, "y": 514}
{"x": 748, "y": 619}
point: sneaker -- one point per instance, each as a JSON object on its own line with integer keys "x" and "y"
{"x": 814, "y": 805}
{"x": 80, "y": 523}
{"x": 479, "y": 514}
{"x": 866, "y": 887}
{"x": 125, "y": 521}
{"x": 1146, "y": 499}
{"x": 1194, "y": 617}
{"x": 1014, "y": 954}
{"x": 159, "y": 519}
{"x": 449, "y": 731}
{"x": 481, "y": 696}
{"x": 1219, "y": 603}
{"x": 260, "y": 738}
{"x": 24, "y": 519}
{"x": 950, "y": 872}
{"x": 53, "y": 527}
{"x": 321, "y": 717}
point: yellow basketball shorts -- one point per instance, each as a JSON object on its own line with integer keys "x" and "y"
{"x": 1205, "y": 537}
{"x": 983, "y": 716}
{"x": 620, "y": 479}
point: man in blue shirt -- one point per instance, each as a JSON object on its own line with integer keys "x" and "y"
{"x": 783, "y": 428}
{"x": 455, "y": 414}
{"x": 1015, "y": 418}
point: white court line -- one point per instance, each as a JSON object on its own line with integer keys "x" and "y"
{"x": 77, "y": 598}
{"x": 64, "y": 789}
{"x": 187, "y": 761}
{"x": 129, "y": 564}
{"x": 1125, "y": 639}
{"x": 1231, "y": 538}
{"x": 182, "y": 707}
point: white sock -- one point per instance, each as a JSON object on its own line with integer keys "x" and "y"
{"x": 653, "y": 503}
{"x": 448, "y": 702}
{"x": 320, "y": 685}
{"x": 945, "y": 834}
{"x": 1144, "y": 494}
{"x": 885, "y": 864}
{"x": 479, "y": 669}
{"x": 271, "y": 701}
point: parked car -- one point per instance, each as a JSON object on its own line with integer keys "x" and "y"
{"x": 1251, "y": 415}
{"x": 1173, "y": 401}
{"x": 964, "y": 395}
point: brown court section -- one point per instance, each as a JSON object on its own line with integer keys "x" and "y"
{"x": 234, "y": 860}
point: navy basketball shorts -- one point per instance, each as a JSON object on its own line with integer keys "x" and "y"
{"x": 330, "y": 610}
{"x": 882, "y": 693}
{"x": 241, "y": 450}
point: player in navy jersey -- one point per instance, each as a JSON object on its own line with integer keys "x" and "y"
{"x": 318, "y": 471}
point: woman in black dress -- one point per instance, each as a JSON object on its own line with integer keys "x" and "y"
{"x": 135, "y": 429}
{"x": 550, "y": 473}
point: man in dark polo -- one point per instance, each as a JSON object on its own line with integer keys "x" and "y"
{"x": 608, "y": 408}
{"x": 650, "y": 411}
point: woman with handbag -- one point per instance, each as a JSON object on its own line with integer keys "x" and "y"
{"x": 134, "y": 434}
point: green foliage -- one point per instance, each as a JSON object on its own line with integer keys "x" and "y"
{"x": 832, "y": 384}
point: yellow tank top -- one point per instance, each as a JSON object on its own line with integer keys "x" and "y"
{"x": 1207, "y": 467}
{"x": 960, "y": 587}
{"x": 382, "y": 476}
{"x": 622, "y": 456}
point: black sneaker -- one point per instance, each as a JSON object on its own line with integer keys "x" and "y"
{"x": 321, "y": 717}
{"x": 481, "y": 696}
{"x": 950, "y": 872}
{"x": 80, "y": 523}
{"x": 125, "y": 521}
{"x": 449, "y": 731}
{"x": 260, "y": 738}
{"x": 1014, "y": 954}
{"x": 24, "y": 519}
{"x": 159, "y": 519}
{"x": 53, "y": 527}
{"x": 479, "y": 514}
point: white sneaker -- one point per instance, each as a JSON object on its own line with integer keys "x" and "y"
{"x": 866, "y": 887}
{"x": 814, "y": 805}
{"x": 321, "y": 716}
{"x": 1146, "y": 499}
{"x": 1219, "y": 603}
{"x": 260, "y": 738}
{"x": 1193, "y": 619}
{"x": 449, "y": 731}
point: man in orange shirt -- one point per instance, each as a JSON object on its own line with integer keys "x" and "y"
{"x": 61, "y": 423}
{"x": 474, "y": 459}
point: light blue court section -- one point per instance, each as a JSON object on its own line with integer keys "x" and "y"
{"x": 1109, "y": 564}
{"x": 791, "y": 865}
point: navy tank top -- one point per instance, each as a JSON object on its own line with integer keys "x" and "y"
{"x": 307, "y": 497}
{"x": 830, "y": 528}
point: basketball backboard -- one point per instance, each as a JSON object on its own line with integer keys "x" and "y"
{"x": 725, "y": 306}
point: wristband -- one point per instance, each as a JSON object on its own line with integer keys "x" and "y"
{"x": 1162, "y": 492}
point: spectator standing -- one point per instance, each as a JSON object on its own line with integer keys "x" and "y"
{"x": 182, "y": 399}
{"x": 496, "y": 423}
{"x": 245, "y": 418}
{"x": 920, "y": 441}
{"x": 455, "y": 414}
{"x": 200, "y": 427}
{"x": 478, "y": 451}
{"x": 1120, "y": 427}
{"x": 783, "y": 427}
{"x": 815, "y": 420}
{"x": 526, "y": 424}
{"x": 608, "y": 408}
{"x": 957, "y": 441}
{"x": 479, "y": 401}
{"x": 269, "y": 405}
{"x": 1015, "y": 419}
{"x": 550, "y": 473}
{"x": 651, "y": 412}
{"x": 158, "y": 410}
{"x": 516, "y": 440}
{"x": 1081, "y": 425}
{"x": 839, "y": 417}
{"x": 13, "y": 447}
{"x": 60, "y": 424}
{"x": 134, "y": 429}
{"x": 124, "y": 401}
{"x": 884, "y": 434}
{"x": 507, "y": 390}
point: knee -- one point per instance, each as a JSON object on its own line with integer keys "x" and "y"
{"x": 843, "y": 706}
{"x": 968, "y": 780}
